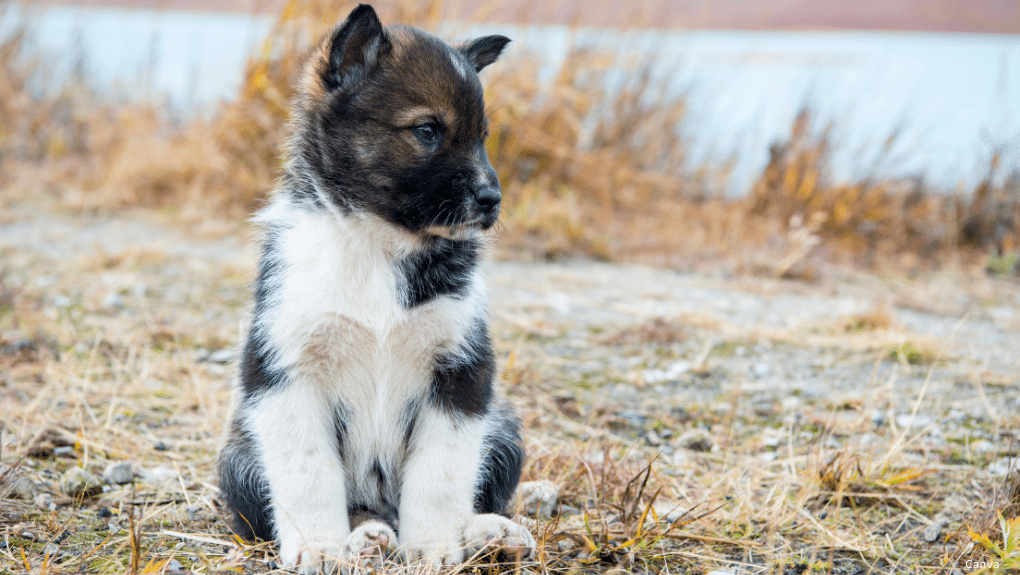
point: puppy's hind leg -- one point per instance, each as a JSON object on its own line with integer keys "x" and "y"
{"x": 243, "y": 485}
{"x": 503, "y": 457}
{"x": 491, "y": 531}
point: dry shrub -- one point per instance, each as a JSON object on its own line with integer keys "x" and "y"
{"x": 38, "y": 123}
{"x": 573, "y": 153}
{"x": 881, "y": 217}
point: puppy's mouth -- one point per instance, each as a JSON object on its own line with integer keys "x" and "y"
{"x": 464, "y": 230}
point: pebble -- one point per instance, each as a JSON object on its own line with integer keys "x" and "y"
{"x": 539, "y": 498}
{"x": 633, "y": 418}
{"x": 118, "y": 473}
{"x": 51, "y": 549}
{"x": 906, "y": 420}
{"x": 113, "y": 301}
{"x": 696, "y": 439}
{"x": 25, "y": 488}
{"x": 63, "y": 451}
{"x": 44, "y": 501}
{"x": 671, "y": 372}
{"x": 565, "y": 545}
{"x": 983, "y": 446}
{"x": 76, "y": 482}
{"x": 669, "y": 511}
{"x": 1004, "y": 465}
{"x": 932, "y": 532}
{"x": 156, "y": 475}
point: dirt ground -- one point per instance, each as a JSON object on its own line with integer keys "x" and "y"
{"x": 693, "y": 423}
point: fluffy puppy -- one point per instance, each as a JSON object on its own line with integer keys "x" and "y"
{"x": 367, "y": 415}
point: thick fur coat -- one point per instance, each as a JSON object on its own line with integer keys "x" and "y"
{"x": 367, "y": 416}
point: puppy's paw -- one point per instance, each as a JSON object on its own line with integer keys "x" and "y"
{"x": 434, "y": 554}
{"x": 368, "y": 545}
{"x": 494, "y": 534}
{"x": 309, "y": 557}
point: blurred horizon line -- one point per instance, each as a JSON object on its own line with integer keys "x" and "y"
{"x": 934, "y": 16}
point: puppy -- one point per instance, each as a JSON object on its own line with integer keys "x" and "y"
{"x": 367, "y": 416}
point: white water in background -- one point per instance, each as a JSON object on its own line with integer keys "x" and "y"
{"x": 951, "y": 98}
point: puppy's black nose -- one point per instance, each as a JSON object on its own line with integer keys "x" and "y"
{"x": 488, "y": 198}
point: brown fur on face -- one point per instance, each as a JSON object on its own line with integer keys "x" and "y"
{"x": 391, "y": 121}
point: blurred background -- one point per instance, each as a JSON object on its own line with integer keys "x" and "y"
{"x": 768, "y": 137}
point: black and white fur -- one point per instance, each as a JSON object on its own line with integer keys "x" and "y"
{"x": 368, "y": 414}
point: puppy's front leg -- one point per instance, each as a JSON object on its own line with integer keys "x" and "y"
{"x": 299, "y": 431}
{"x": 439, "y": 481}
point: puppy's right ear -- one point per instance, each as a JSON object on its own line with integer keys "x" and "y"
{"x": 355, "y": 48}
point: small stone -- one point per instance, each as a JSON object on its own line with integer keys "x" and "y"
{"x": 113, "y": 300}
{"x": 1004, "y": 465}
{"x": 632, "y": 417}
{"x": 932, "y": 532}
{"x": 905, "y": 420}
{"x": 51, "y": 549}
{"x": 768, "y": 456}
{"x": 539, "y": 498}
{"x": 174, "y": 566}
{"x": 221, "y": 356}
{"x": 696, "y": 439}
{"x": 983, "y": 446}
{"x": 64, "y": 451}
{"x": 77, "y": 482}
{"x": 565, "y": 545}
{"x": 24, "y": 488}
{"x": 62, "y": 301}
{"x": 158, "y": 475}
{"x": 652, "y": 438}
{"x": 724, "y": 572}
{"x": 28, "y": 535}
{"x": 44, "y": 501}
{"x": 669, "y": 511}
{"x": 118, "y": 473}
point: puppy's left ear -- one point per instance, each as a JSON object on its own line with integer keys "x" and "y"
{"x": 484, "y": 51}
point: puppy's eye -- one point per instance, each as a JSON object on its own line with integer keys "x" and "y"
{"x": 428, "y": 133}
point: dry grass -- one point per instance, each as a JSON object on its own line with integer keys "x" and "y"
{"x": 882, "y": 218}
{"x": 89, "y": 380}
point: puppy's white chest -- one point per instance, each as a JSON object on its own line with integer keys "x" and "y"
{"x": 342, "y": 316}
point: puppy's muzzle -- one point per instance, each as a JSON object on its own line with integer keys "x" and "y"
{"x": 487, "y": 199}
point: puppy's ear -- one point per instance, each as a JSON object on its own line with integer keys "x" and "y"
{"x": 355, "y": 48}
{"x": 484, "y": 50}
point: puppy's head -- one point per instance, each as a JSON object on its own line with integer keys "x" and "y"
{"x": 391, "y": 121}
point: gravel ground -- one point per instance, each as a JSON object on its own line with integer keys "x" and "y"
{"x": 714, "y": 376}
